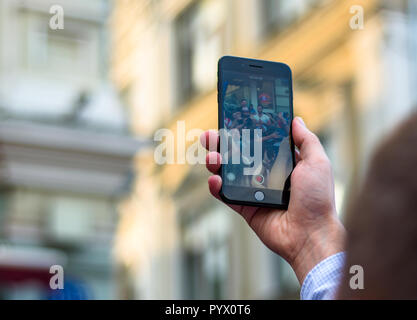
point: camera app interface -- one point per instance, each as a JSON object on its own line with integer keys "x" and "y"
{"x": 256, "y": 151}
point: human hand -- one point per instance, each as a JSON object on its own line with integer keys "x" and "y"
{"x": 309, "y": 231}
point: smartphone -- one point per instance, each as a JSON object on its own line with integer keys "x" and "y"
{"x": 255, "y": 117}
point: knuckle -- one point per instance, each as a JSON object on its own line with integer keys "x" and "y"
{"x": 324, "y": 161}
{"x": 314, "y": 138}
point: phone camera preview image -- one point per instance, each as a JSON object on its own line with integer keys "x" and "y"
{"x": 255, "y": 140}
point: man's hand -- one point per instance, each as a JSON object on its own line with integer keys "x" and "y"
{"x": 309, "y": 231}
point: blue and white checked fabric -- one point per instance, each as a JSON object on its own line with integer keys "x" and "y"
{"x": 323, "y": 280}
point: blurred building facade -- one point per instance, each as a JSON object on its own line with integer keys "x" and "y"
{"x": 351, "y": 85}
{"x": 65, "y": 151}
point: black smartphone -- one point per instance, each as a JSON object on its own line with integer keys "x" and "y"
{"x": 255, "y": 118}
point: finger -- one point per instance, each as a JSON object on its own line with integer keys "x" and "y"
{"x": 210, "y": 140}
{"x": 257, "y": 218}
{"x": 306, "y": 141}
{"x": 215, "y": 185}
{"x": 213, "y": 162}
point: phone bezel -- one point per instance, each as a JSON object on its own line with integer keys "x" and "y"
{"x": 239, "y": 195}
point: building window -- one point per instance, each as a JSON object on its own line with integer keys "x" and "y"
{"x": 206, "y": 255}
{"x": 199, "y": 33}
{"x": 73, "y": 51}
{"x": 184, "y": 34}
{"x": 278, "y": 14}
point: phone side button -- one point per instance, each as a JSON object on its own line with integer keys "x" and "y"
{"x": 259, "y": 195}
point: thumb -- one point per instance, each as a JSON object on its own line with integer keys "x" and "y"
{"x": 306, "y": 141}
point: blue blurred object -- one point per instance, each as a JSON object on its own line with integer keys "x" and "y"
{"x": 73, "y": 290}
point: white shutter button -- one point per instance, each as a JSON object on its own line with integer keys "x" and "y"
{"x": 259, "y": 195}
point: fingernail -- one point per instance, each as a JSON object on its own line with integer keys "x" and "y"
{"x": 301, "y": 121}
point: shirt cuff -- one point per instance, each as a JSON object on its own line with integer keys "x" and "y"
{"x": 323, "y": 280}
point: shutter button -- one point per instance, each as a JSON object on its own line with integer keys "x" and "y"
{"x": 259, "y": 195}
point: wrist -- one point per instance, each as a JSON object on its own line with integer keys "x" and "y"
{"x": 319, "y": 245}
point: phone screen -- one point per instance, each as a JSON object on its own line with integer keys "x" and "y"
{"x": 256, "y": 145}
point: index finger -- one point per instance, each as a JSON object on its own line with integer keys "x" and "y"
{"x": 210, "y": 140}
